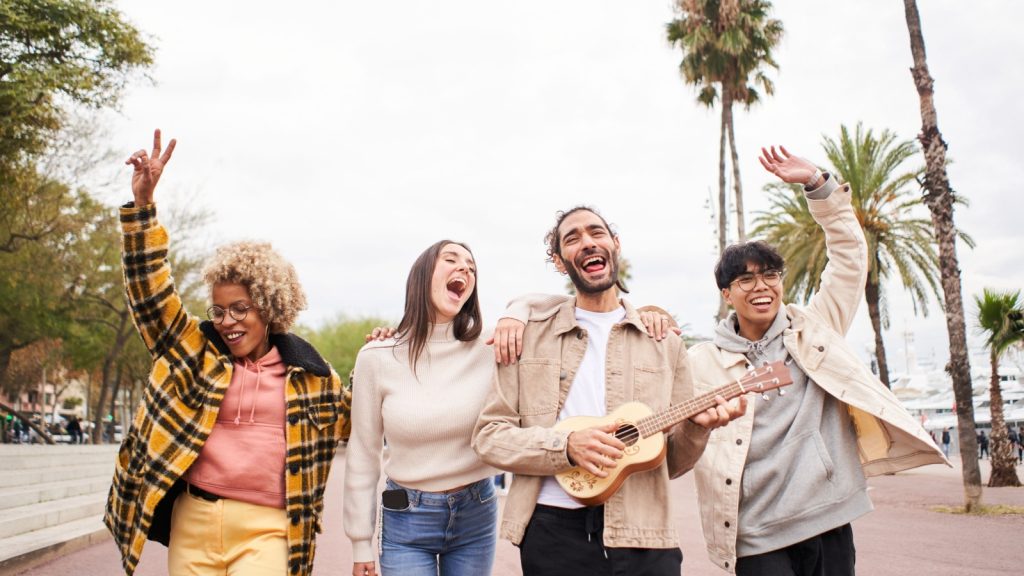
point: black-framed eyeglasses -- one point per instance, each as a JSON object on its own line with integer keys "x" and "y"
{"x": 238, "y": 311}
{"x": 748, "y": 281}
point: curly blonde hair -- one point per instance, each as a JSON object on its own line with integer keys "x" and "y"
{"x": 271, "y": 280}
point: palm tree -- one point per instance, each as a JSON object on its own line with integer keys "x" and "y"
{"x": 899, "y": 243}
{"x": 939, "y": 199}
{"x": 726, "y": 45}
{"x": 998, "y": 318}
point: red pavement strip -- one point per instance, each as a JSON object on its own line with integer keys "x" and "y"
{"x": 902, "y": 537}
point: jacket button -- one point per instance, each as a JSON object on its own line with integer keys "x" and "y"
{"x": 726, "y": 564}
{"x": 821, "y": 348}
{"x": 739, "y": 441}
{"x": 294, "y": 468}
{"x": 726, "y": 523}
{"x": 295, "y": 519}
{"x": 728, "y": 481}
{"x": 293, "y": 419}
{"x": 563, "y": 375}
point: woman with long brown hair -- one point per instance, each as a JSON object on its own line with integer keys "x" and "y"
{"x": 423, "y": 391}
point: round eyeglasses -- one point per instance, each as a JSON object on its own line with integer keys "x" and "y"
{"x": 748, "y": 281}
{"x": 238, "y": 311}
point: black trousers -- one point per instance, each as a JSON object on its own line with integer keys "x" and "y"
{"x": 560, "y": 542}
{"x": 827, "y": 554}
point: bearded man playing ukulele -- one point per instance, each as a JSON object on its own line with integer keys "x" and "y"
{"x": 587, "y": 357}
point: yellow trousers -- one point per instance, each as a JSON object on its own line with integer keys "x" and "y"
{"x": 226, "y": 538}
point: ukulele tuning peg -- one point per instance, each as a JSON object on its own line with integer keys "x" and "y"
{"x": 782, "y": 391}
{"x": 765, "y": 397}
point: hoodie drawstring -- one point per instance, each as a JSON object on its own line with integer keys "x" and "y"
{"x": 241, "y": 392}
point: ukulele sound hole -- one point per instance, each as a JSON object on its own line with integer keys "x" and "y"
{"x": 628, "y": 434}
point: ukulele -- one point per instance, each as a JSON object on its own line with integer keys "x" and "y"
{"x": 642, "y": 431}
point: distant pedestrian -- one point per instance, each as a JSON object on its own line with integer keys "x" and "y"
{"x": 945, "y": 441}
{"x": 74, "y": 430}
{"x": 982, "y": 445}
{"x": 19, "y": 429}
{"x": 1013, "y": 437}
{"x": 1020, "y": 443}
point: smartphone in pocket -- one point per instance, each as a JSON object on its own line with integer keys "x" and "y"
{"x": 397, "y": 499}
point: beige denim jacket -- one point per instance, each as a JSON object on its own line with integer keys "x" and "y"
{"x": 514, "y": 430}
{"x": 889, "y": 439}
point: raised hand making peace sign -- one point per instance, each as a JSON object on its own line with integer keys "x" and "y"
{"x": 148, "y": 169}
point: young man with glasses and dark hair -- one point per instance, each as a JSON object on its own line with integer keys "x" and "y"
{"x": 780, "y": 486}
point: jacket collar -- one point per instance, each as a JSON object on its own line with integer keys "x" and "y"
{"x": 565, "y": 317}
{"x": 295, "y": 352}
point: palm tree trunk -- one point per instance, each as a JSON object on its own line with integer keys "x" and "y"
{"x": 939, "y": 199}
{"x": 741, "y": 225}
{"x": 1004, "y": 461}
{"x": 723, "y": 211}
{"x": 871, "y": 294}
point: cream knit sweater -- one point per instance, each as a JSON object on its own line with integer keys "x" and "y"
{"x": 427, "y": 418}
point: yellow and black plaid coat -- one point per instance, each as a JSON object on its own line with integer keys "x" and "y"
{"x": 191, "y": 371}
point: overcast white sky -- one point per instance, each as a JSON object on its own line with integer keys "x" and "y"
{"x": 354, "y": 134}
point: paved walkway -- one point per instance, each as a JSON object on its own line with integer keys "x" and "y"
{"x": 902, "y": 537}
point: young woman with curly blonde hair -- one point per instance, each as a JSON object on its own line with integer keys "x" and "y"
{"x": 227, "y": 458}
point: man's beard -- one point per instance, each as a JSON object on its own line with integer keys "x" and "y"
{"x": 584, "y": 287}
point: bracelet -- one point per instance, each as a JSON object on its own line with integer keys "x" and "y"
{"x": 813, "y": 179}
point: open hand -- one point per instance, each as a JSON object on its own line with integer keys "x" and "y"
{"x": 658, "y": 322}
{"x": 507, "y": 340}
{"x": 148, "y": 169}
{"x": 789, "y": 168}
{"x": 380, "y": 333}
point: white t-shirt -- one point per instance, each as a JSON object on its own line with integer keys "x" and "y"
{"x": 586, "y": 394}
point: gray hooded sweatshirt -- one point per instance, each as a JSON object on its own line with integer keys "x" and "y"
{"x": 803, "y": 475}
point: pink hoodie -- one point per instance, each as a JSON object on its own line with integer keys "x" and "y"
{"x": 244, "y": 457}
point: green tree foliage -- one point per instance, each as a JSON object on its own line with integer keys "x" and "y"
{"x": 900, "y": 243}
{"x": 39, "y": 279}
{"x": 59, "y": 52}
{"x": 55, "y": 55}
{"x": 999, "y": 317}
{"x": 339, "y": 340}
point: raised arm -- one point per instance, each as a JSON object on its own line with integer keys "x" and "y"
{"x": 842, "y": 281}
{"x": 157, "y": 309}
{"x": 508, "y": 333}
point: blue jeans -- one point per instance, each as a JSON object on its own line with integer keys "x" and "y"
{"x": 441, "y": 534}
